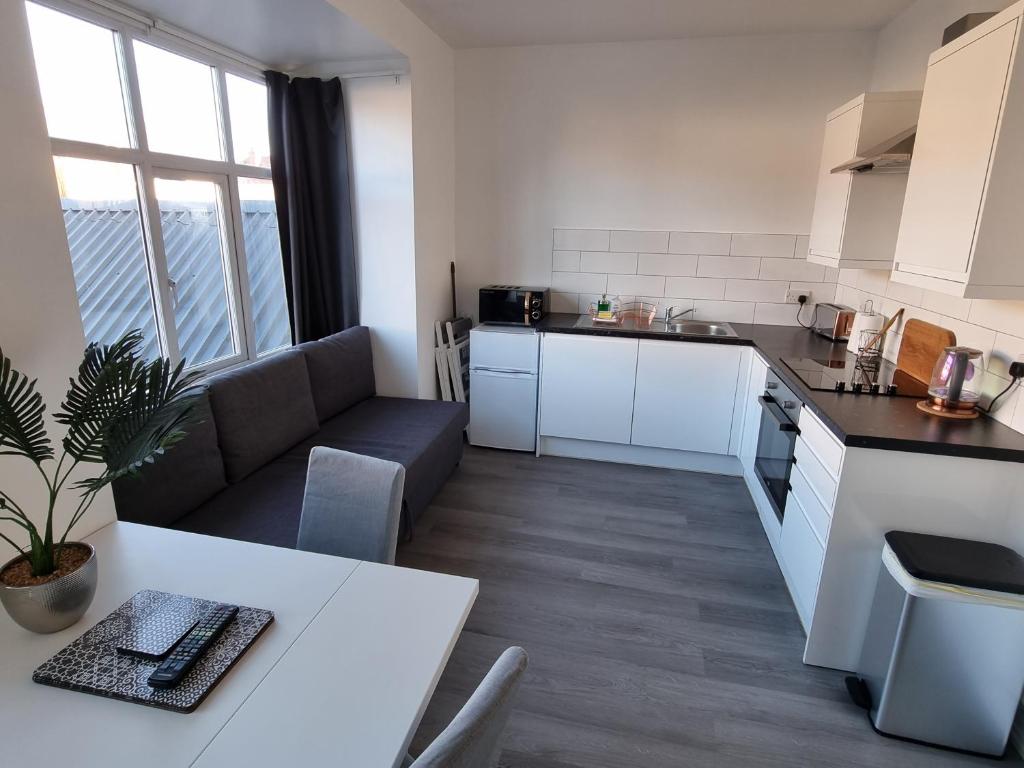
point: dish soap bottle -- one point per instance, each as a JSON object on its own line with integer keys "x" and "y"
{"x": 604, "y": 308}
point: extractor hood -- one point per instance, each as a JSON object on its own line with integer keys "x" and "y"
{"x": 891, "y": 156}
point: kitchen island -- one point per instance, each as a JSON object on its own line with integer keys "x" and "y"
{"x": 863, "y": 464}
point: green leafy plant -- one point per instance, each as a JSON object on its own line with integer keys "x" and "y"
{"x": 120, "y": 411}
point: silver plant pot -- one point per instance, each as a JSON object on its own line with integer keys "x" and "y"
{"x": 55, "y": 605}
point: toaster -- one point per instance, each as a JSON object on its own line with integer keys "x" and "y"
{"x": 833, "y": 321}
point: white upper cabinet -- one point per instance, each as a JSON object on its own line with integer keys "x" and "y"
{"x": 963, "y": 220}
{"x": 857, "y": 215}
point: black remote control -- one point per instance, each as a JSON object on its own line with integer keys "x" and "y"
{"x": 186, "y": 653}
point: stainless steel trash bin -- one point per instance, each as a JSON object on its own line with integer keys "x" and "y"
{"x": 943, "y": 655}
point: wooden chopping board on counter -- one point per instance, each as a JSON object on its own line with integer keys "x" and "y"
{"x": 921, "y": 347}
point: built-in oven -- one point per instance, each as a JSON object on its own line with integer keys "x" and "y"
{"x": 776, "y": 441}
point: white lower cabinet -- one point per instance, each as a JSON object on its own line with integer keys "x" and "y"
{"x": 587, "y": 387}
{"x": 801, "y": 554}
{"x": 752, "y": 412}
{"x": 685, "y": 395}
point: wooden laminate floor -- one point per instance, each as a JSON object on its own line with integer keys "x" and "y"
{"x": 659, "y": 628}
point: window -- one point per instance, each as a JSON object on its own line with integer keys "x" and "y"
{"x": 163, "y": 165}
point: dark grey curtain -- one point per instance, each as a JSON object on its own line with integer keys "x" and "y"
{"x": 310, "y": 168}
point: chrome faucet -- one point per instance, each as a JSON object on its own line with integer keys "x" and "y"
{"x": 671, "y": 315}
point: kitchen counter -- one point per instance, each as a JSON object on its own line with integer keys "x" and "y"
{"x": 860, "y": 421}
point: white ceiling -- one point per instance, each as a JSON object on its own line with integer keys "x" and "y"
{"x": 485, "y": 23}
{"x": 285, "y": 35}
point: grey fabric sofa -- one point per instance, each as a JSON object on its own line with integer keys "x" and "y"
{"x": 241, "y": 471}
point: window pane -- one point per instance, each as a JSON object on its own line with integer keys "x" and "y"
{"x": 101, "y": 212}
{"x": 79, "y": 78}
{"x": 179, "y": 106}
{"x": 192, "y": 221}
{"x": 263, "y": 255}
{"x": 247, "y": 106}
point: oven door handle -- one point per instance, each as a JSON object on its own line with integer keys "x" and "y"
{"x": 778, "y": 415}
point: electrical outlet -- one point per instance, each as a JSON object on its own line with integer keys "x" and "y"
{"x": 793, "y": 296}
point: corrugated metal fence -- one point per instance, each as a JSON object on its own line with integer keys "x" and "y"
{"x": 112, "y": 276}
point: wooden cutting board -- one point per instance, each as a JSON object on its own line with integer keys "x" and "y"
{"x": 921, "y": 346}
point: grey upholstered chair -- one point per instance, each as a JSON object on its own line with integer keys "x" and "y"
{"x": 351, "y": 506}
{"x": 473, "y": 738}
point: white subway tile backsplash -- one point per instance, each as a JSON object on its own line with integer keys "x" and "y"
{"x": 791, "y": 269}
{"x": 728, "y": 266}
{"x": 636, "y": 285}
{"x": 820, "y": 292}
{"x": 696, "y": 287}
{"x": 587, "y": 301}
{"x": 873, "y": 281}
{"x": 905, "y": 294}
{"x": 764, "y": 246}
{"x": 1005, "y": 350}
{"x": 565, "y": 261}
{"x": 1005, "y": 316}
{"x": 564, "y": 302}
{"x": 700, "y": 243}
{"x": 667, "y": 264}
{"x": 581, "y": 239}
{"x": 605, "y": 261}
{"x": 724, "y": 311}
{"x": 630, "y": 240}
{"x": 968, "y": 335}
{"x": 663, "y": 302}
{"x": 579, "y": 282}
{"x": 950, "y": 306}
{"x": 756, "y": 290}
{"x": 776, "y": 314}
{"x": 803, "y": 245}
{"x": 848, "y": 277}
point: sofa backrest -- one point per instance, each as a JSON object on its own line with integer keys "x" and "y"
{"x": 184, "y": 477}
{"x": 261, "y": 411}
{"x": 340, "y": 371}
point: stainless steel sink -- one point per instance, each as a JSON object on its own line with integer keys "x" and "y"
{"x": 695, "y": 328}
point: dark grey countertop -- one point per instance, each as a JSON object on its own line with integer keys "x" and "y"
{"x": 860, "y": 421}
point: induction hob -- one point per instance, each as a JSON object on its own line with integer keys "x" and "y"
{"x": 869, "y": 376}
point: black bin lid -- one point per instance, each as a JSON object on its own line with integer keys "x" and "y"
{"x": 962, "y": 562}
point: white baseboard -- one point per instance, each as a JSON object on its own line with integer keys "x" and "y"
{"x": 641, "y": 455}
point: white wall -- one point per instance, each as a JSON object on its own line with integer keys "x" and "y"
{"x": 40, "y": 327}
{"x": 432, "y": 64}
{"x": 905, "y": 44}
{"x": 716, "y": 134}
{"x": 380, "y": 120}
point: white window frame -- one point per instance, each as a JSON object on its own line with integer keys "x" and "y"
{"x": 148, "y": 164}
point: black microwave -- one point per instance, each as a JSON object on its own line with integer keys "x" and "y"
{"x": 513, "y": 304}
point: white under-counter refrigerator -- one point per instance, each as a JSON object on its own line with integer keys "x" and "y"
{"x": 503, "y": 375}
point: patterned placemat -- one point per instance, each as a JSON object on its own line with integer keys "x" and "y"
{"x": 92, "y": 664}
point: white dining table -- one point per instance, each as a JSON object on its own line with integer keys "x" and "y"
{"x": 340, "y": 678}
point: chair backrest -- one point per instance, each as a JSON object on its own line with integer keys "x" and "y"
{"x": 473, "y": 738}
{"x": 351, "y": 506}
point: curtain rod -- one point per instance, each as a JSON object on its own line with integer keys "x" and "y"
{"x": 122, "y": 14}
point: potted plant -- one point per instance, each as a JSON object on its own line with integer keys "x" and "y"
{"x": 120, "y": 412}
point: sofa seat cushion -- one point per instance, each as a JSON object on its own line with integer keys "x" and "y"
{"x": 177, "y": 482}
{"x": 340, "y": 371}
{"x": 262, "y": 410}
{"x": 264, "y": 508}
{"x": 418, "y": 434}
